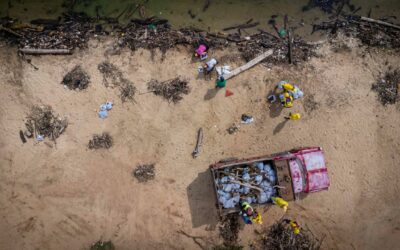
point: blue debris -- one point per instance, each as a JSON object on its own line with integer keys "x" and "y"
{"x": 104, "y": 108}
{"x": 258, "y": 179}
{"x": 246, "y": 177}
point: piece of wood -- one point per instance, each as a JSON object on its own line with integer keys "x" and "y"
{"x": 290, "y": 47}
{"x": 250, "y": 64}
{"x": 247, "y": 185}
{"x": 242, "y": 26}
{"x": 46, "y": 51}
{"x": 10, "y": 31}
{"x": 367, "y": 19}
{"x": 196, "y": 151}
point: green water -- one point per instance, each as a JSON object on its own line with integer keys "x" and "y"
{"x": 220, "y": 14}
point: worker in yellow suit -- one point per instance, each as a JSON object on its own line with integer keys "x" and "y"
{"x": 294, "y": 225}
{"x": 286, "y": 100}
{"x": 280, "y": 202}
{"x": 257, "y": 218}
{"x": 293, "y": 116}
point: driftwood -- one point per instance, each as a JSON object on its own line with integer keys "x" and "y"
{"x": 248, "y": 185}
{"x": 366, "y": 19}
{"x": 290, "y": 45}
{"x": 250, "y": 64}
{"x": 196, "y": 151}
{"x": 242, "y": 26}
{"x": 46, "y": 51}
{"x": 10, "y": 31}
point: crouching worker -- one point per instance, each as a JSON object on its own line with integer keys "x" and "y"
{"x": 249, "y": 214}
{"x": 294, "y": 225}
{"x": 286, "y": 100}
{"x": 280, "y": 202}
{"x": 201, "y": 52}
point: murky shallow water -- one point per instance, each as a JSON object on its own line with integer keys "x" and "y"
{"x": 220, "y": 13}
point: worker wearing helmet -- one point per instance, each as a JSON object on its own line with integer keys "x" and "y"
{"x": 286, "y": 99}
{"x": 280, "y": 202}
{"x": 246, "y": 211}
{"x": 249, "y": 214}
{"x": 201, "y": 51}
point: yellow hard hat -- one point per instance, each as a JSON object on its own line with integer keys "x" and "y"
{"x": 286, "y": 94}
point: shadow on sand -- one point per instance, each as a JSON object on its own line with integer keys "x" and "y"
{"x": 202, "y": 201}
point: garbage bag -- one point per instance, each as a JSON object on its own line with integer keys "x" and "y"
{"x": 227, "y": 187}
{"x": 224, "y": 179}
{"x": 249, "y": 199}
{"x": 246, "y": 177}
{"x": 260, "y": 165}
{"x": 267, "y": 167}
{"x": 103, "y": 114}
{"x": 262, "y": 198}
{"x": 258, "y": 179}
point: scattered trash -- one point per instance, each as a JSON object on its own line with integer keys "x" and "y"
{"x": 76, "y": 79}
{"x": 104, "y": 108}
{"x": 39, "y": 138}
{"x": 388, "y": 87}
{"x": 281, "y": 236}
{"x": 42, "y": 122}
{"x": 246, "y": 119}
{"x": 272, "y": 98}
{"x": 233, "y": 129}
{"x": 196, "y": 151}
{"x": 127, "y": 91}
{"x": 111, "y": 74}
{"x": 144, "y": 173}
{"x": 171, "y": 90}
{"x": 112, "y": 77}
{"x": 101, "y": 141}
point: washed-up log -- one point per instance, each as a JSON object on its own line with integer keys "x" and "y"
{"x": 10, "y": 31}
{"x": 250, "y": 64}
{"x": 196, "y": 151}
{"x": 366, "y": 19}
{"x": 46, "y": 51}
{"x": 242, "y": 26}
{"x": 290, "y": 47}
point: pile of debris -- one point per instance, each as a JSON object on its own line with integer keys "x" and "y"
{"x": 101, "y": 141}
{"x": 171, "y": 90}
{"x": 113, "y": 77}
{"x": 281, "y": 237}
{"x": 77, "y": 78}
{"x": 103, "y": 245}
{"x": 111, "y": 74}
{"x": 388, "y": 87}
{"x": 260, "y": 42}
{"x": 229, "y": 229}
{"x": 371, "y": 32}
{"x": 42, "y": 122}
{"x": 253, "y": 183}
{"x": 151, "y": 34}
{"x": 144, "y": 173}
{"x": 329, "y": 6}
{"x": 72, "y": 32}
